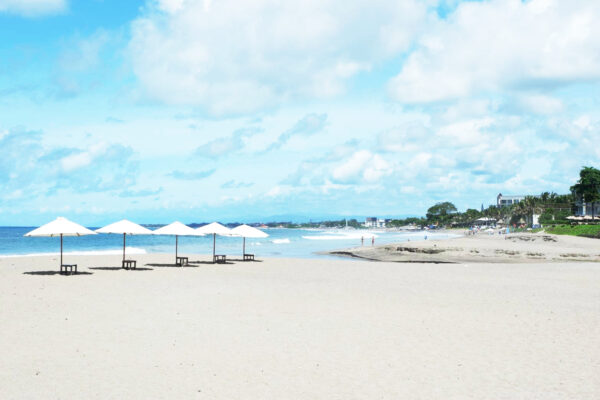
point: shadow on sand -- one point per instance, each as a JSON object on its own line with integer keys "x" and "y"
{"x": 119, "y": 268}
{"x": 210, "y": 262}
{"x": 172, "y": 265}
{"x": 56, "y": 273}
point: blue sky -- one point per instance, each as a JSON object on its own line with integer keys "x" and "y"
{"x": 201, "y": 110}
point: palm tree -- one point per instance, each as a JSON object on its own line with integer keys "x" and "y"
{"x": 531, "y": 205}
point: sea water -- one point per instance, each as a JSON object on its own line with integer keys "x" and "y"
{"x": 303, "y": 243}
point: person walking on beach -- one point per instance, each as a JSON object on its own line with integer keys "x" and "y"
{"x": 372, "y": 240}
{"x": 362, "y": 240}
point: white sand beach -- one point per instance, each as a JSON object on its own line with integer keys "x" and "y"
{"x": 299, "y": 329}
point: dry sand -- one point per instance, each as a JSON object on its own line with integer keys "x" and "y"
{"x": 299, "y": 329}
{"x": 512, "y": 248}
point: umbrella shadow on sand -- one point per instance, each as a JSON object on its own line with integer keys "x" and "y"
{"x": 119, "y": 268}
{"x": 210, "y": 262}
{"x": 56, "y": 273}
{"x": 172, "y": 266}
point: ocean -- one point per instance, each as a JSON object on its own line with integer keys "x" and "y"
{"x": 297, "y": 243}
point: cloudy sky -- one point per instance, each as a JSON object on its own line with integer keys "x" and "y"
{"x": 226, "y": 110}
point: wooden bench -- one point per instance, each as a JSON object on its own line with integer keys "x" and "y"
{"x": 181, "y": 261}
{"x": 248, "y": 257}
{"x": 127, "y": 264}
{"x": 220, "y": 258}
{"x": 68, "y": 268}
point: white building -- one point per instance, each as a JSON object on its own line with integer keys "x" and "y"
{"x": 374, "y": 222}
{"x": 508, "y": 200}
{"x": 371, "y": 222}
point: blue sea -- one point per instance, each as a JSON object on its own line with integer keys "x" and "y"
{"x": 302, "y": 243}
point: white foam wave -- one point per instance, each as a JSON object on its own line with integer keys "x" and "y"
{"x": 128, "y": 250}
{"x": 340, "y": 236}
{"x": 280, "y": 241}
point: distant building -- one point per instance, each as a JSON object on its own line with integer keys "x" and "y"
{"x": 374, "y": 222}
{"x": 583, "y": 209}
{"x": 371, "y": 222}
{"x": 382, "y": 223}
{"x": 508, "y": 200}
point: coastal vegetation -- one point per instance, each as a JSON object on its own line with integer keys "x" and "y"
{"x": 587, "y": 230}
{"x": 588, "y": 186}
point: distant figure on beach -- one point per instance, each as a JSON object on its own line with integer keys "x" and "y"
{"x": 425, "y": 237}
{"x": 373, "y": 241}
{"x": 362, "y": 240}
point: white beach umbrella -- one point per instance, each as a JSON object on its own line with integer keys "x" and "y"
{"x": 215, "y": 229}
{"x": 177, "y": 229}
{"x": 246, "y": 231}
{"x": 60, "y": 227}
{"x": 125, "y": 227}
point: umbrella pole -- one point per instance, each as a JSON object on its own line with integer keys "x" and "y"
{"x": 176, "y": 240}
{"x": 124, "y": 246}
{"x": 61, "y": 247}
{"x": 214, "y": 240}
{"x": 244, "y": 247}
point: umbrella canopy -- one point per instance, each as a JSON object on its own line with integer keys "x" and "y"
{"x": 60, "y": 227}
{"x": 247, "y": 231}
{"x": 177, "y": 229}
{"x": 126, "y": 228}
{"x": 216, "y": 229}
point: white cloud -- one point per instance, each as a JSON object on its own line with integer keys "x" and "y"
{"x": 309, "y": 125}
{"x": 84, "y": 158}
{"x": 75, "y": 161}
{"x": 33, "y": 8}
{"x": 170, "y": 6}
{"x": 240, "y": 55}
{"x": 502, "y": 44}
{"x": 464, "y": 132}
{"x": 278, "y": 191}
{"x": 404, "y": 138}
{"x": 84, "y": 54}
{"x": 363, "y": 166}
{"x": 540, "y": 104}
{"x": 583, "y": 122}
{"x": 226, "y": 145}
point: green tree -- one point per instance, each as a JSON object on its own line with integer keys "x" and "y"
{"x": 587, "y": 187}
{"x": 441, "y": 212}
{"x": 471, "y": 215}
{"x": 532, "y": 205}
{"x": 492, "y": 212}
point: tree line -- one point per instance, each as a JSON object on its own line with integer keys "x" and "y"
{"x": 551, "y": 207}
